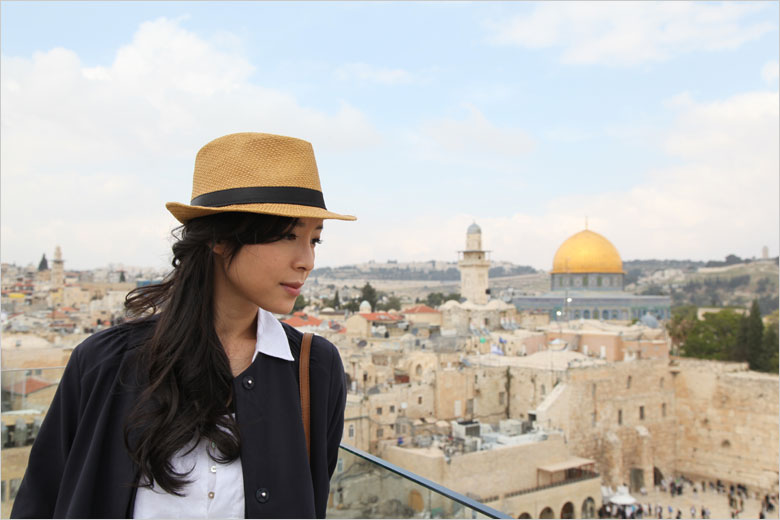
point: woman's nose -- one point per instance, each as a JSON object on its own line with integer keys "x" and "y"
{"x": 304, "y": 259}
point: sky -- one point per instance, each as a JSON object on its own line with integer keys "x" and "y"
{"x": 658, "y": 122}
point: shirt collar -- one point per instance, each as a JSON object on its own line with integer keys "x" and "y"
{"x": 271, "y": 338}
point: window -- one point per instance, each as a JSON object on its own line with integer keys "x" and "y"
{"x": 620, "y": 416}
{"x": 351, "y": 431}
{"x": 379, "y": 410}
{"x": 419, "y": 400}
{"x": 641, "y": 413}
{"x": 392, "y": 408}
{"x": 418, "y": 370}
{"x": 501, "y": 397}
{"x": 628, "y": 382}
{"x": 379, "y": 433}
{"x": 340, "y": 466}
{"x": 662, "y": 382}
{"x": 663, "y": 410}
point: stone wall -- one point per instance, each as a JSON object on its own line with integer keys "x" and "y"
{"x": 727, "y": 423}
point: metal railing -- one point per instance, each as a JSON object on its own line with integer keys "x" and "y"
{"x": 366, "y": 486}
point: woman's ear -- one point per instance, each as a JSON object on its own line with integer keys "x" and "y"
{"x": 219, "y": 248}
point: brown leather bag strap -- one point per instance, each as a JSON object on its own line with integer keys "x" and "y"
{"x": 303, "y": 379}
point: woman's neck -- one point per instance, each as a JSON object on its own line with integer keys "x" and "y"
{"x": 237, "y": 331}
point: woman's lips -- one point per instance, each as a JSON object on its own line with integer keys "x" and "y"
{"x": 293, "y": 288}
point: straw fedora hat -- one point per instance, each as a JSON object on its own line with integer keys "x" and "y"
{"x": 255, "y": 173}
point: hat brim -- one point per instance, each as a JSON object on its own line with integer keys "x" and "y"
{"x": 185, "y": 212}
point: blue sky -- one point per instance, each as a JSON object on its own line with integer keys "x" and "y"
{"x": 658, "y": 121}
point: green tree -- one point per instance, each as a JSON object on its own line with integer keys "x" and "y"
{"x": 679, "y": 326}
{"x": 351, "y": 306}
{"x": 758, "y": 359}
{"x": 336, "y": 302}
{"x": 368, "y": 293}
{"x": 434, "y": 299}
{"x": 741, "y": 351}
{"x": 769, "y": 347}
{"x": 122, "y": 278}
{"x": 300, "y": 303}
{"x": 393, "y": 302}
{"x": 714, "y": 337}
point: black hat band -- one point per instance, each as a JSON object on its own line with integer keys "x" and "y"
{"x": 261, "y": 195}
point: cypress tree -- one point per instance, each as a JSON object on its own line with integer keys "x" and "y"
{"x": 770, "y": 348}
{"x": 740, "y": 349}
{"x": 758, "y": 359}
{"x": 44, "y": 264}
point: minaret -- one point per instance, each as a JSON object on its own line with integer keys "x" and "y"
{"x": 474, "y": 266}
{"x": 57, "y": 270}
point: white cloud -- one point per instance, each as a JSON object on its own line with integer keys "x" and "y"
{"x": 364, "y": 72}
{"x": 472, "y": 138}
{"x": 630, "y": 33}
{"x": 88, "y": 150}
{"x": 720, "y": 197}
{"x": 770, "y": 72}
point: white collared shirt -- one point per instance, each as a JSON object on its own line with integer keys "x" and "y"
{"x": 216, "y": 490}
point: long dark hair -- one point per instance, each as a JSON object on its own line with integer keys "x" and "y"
{"x": 189, "y": 392}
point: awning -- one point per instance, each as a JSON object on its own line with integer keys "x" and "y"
{"x": 572, "y": 463}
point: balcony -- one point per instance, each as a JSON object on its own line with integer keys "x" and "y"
{"x": 363, "y": 486}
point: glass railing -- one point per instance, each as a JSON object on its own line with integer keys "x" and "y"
{"x": 26, "y": 396}
{"x": 365, "y": 486}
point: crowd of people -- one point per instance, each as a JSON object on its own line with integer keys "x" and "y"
{"x": 737, "y": 495}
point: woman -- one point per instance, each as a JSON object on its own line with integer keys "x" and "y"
{"x": 193, "y": 408}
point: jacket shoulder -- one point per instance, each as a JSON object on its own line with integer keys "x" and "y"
{"x": 112, "y": 343}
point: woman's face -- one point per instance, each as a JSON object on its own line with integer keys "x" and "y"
{"x": 269, "y": 275}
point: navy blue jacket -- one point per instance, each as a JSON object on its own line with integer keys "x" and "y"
{"x": 79, "y": 466}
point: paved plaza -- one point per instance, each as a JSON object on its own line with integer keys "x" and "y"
{"x": 718, "y": 504}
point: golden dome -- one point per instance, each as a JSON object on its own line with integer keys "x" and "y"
{"x": 587, "y": 252}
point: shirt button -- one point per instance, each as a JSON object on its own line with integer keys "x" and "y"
{"x": 213, "y": 469}
{"x": 248, "y": 382}
{"x": 262, "y": 495}
{"x": 211, "y": 494}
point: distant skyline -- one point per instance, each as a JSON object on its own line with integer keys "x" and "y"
{"x": 656, "y": 121}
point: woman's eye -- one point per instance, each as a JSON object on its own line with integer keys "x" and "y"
{"x": 291, "y": 236}
{"x": 316, "y": 241}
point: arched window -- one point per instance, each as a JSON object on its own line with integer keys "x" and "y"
{"x": 567, "y": 511}
{"x": 351, "y": 431}
{"x": 547, "y": 513}
{"x": 588, "y": 508}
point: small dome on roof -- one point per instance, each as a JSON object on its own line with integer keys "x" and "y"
{"x": 474, "y": 228}
{"x": 365, "y": 306}
{"x": 650, "y": 321}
